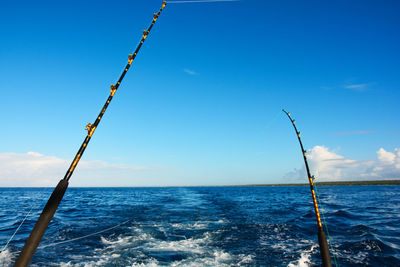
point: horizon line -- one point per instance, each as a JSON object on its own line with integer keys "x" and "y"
{"x": 357, "y": 182}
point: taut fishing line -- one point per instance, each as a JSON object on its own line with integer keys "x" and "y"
{"x": 4, "y": 248}
{"x": 82, "y": 237}
{"x": 273, "y": 120}
{"x": 52, "y": 204}
{"x": 322, "y": 240}
{"x": 326, "y": 226}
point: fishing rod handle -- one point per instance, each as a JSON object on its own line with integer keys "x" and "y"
{"x": 49, "y": 210}
{"x": 323, "y": 243}
{"x": 324, "y": 248}
{"x": 38, "y": 231}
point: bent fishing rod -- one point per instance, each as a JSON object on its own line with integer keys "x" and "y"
{"x": 323, "y": 243}
{"x": 52, "y": 204}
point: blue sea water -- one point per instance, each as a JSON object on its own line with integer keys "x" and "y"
{"x": 205, "y": 226}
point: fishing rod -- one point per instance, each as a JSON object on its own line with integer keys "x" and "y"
{"x": 323, "y": 243}
{"x": 52, "y": 204}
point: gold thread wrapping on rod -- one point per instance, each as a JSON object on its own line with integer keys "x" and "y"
{"x": 92, "y": 131}
{"x": 145, "y": 33}
{"x": 113, "y": 89}
{"x": 76, "y": 160}
{"x": 42, "y": 223}
{"x": 88, "y": 127}
{"x": 316, "y": 208}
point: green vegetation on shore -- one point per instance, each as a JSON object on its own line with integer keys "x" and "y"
{"x": 375, "y": 182}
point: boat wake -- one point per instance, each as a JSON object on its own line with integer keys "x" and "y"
{"x": 260, "y": 226}
{"x": 153, "y": 246}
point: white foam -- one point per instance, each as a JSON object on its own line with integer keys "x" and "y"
{"x": 277, "y": 246}
{"x": 151, "y": 263}
{"x": 99, "y": 262}
{"x": 305, "y": 258}
{"x": 196, "y": 226}
{"x": 6, "y": 258}
{"x": 222, "y": 256}
{"x": 200, "y": 225}
{"x": 126, "y": 240}
{"x": 198, "y": 251}
{"x": 66, "y": 264}
{"x": 218, "y": 258}
{"x": 119, "y": 241}
{"x": 190, "y": 245}
{"x": 245, "y": 259}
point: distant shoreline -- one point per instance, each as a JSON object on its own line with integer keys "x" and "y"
{"x": 375, "y": 182}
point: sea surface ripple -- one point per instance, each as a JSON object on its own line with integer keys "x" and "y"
{"x": 205, "y": 226}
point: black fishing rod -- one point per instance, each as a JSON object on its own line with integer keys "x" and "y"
{"x": 323, "y": 243}
{"x": 52, "y": 204}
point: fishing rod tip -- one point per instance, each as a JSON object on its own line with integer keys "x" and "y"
{"x": 287, "y": 113}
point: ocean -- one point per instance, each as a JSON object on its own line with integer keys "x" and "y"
{"x": 205, "y": 226}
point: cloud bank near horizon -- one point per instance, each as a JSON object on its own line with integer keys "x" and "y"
{"x": 327, "y": 165}
{"x": 35, "y": 170}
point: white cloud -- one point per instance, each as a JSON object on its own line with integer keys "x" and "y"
{"x": 386, "y": 157}
{"x": 389, "y": 164}
{"x": 327, "y": 165}
{"x": 190, "y": 72}
{"x": 357, "y": 87}
{"x": 35, "y": 169}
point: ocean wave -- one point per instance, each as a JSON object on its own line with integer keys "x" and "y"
{"x": 209, "y": 227}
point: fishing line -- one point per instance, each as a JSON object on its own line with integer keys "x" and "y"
{"x": 17, "y": 229}
{"x": 54, "y": 201}
{"x": 322, "y": 240}
{"x": 326, "y": 226}
{"x": 82, "y": 237}
{"x": 200, "y": 1}
{"x": 274, "y": 119}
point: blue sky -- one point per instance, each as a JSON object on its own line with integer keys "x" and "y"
{"x": 202, "y": 103}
